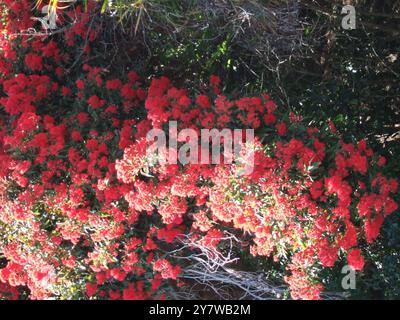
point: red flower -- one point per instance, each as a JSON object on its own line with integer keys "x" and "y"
{"x": 359, "y": 163}
{"x": 95, "y": 102}
{"x": 350, "y": 237}
{"x": 269, "y": 118}
{"x": 381, "y": 161}
{"x": 355, "y": 259}
{"x": 76, "y": 136}
{"x": 327, "y": 254}
{"x": 114, "y": 294}
{"x": 28, "y": 121}
{"x": 65, "y": 91}
{"x": 34, "y": 62}
{"x": 372, "y": 228}
{"x": 128, "y": 92}
{"x": 80, "y": 84}
{"x": 215, "y": 81}
{"x": 133, "y": 76}
{"x": 166, "y": 269}
{"x": 316, "y": 189}
{"x": 118, "y": 274}
{"x": 91, "y": 289}
{"x": 82, "y": 118}
{"x": 203, "y": 101}
{"x": 281, "y": 128}
{"x": 114, "y": 84}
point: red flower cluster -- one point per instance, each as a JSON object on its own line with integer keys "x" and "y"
{"x": 295, "y": 198}
{"x": 166, "y": 269}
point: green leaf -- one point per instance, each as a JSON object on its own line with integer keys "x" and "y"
{"x": 104, "y": 6}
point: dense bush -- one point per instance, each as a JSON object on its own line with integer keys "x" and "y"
{"x": 84, "y": 213}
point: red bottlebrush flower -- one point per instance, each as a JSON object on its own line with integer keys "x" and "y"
{"x": 316, "y": 189}
{"x": 128, "y": 92}
{"x": 359, "y": 163}
{"x": 95, "y": 102}
{"x": 362, "y": 145}
{"x": 91, "y": 145}
{"x": 129, "y": 293}
{"x": 82, "y": 118}
{"x": 34, "y": 62}
{"x": 215, "y": 81}
{"x": 167, "y": 270}
{"x": 111, "y": 109}
{"x": 390, "y": 206}
{"x": 80, "y": 84}
{"x": 212, "y": 238}
{"x": 99, "y": 80}
{"x": 76, "y": 136}
{"x": 114, "y": 294}
{"x": 203, "y": 102}
{"x": 281, "y": 128}
{"x": 118, "y": 274}
{"x": 103, "y": 162}
{"x": 22, "y": 167}
{"x": 202, "y": 222}
{"x": 115, "y": 84}
{"x": 294, "y": 118}
{"x": 173, "y": 211}
{"x": 269, "y": 104}
{"x": 350, "y": 237}
{"x": 65, "y": 91}
{"x": 381, "y": 161}
{"x": 91, "y": 289}
{"x": 328, "y": 255}
{"x": 355, "y": 259}
{"x": 70, "y": 262}
{"x": 184, "y": 102}
{"x": 28, "y": 121}
{"x": 133, "y": 76}
{"x": 372, "y": 228}
{"x": 269, "y": 118}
